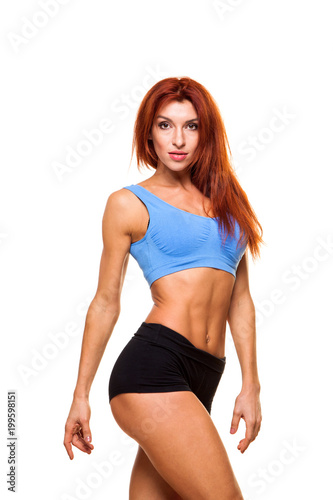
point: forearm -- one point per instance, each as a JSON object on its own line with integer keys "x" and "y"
{"x": 241, "y": 320}
{"x": 99, "y": 324}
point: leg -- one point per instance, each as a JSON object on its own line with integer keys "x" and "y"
{"x": 181, "y": 441}
{"x": 146, "y": 483}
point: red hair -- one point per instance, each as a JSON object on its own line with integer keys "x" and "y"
{"x": 211, "y": 170}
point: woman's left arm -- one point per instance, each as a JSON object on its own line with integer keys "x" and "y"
{"x": 241, "y": 319}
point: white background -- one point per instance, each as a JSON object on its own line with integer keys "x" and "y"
{"x": 63, "y": 73}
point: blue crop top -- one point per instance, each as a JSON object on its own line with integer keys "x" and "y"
{"x": 177, "y": 240}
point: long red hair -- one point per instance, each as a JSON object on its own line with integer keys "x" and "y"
{"x": 211, "y": 170}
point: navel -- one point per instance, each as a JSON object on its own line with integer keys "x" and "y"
{"x": 207, "y": 339}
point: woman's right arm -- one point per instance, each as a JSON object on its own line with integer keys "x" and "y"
{"x": 102, "y": 315}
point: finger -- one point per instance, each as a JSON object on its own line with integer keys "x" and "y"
{"x": 79, "y": 434}
{"x": 249, "y": 437}
{"x": 86, "y": 432}
{"x": 69, "y": 450}
{"x": 68, "y": 444}
{"x": 79, "y": 439}
{"x": 79, "y": 443}
{"x": 256, "y": 427}
{"x": 243, "y": 445}
{"x": 235, "y": 422}
{"x": 87, "y": 446}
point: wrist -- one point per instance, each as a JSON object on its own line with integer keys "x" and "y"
{"x": 79, "y": 394}
{"x": 253, "y": 385}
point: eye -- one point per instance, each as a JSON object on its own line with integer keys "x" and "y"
{"x": 161, "y": 125}
{"x": 195, "y": 126}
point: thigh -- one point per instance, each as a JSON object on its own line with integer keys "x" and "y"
{"x": 181, "y": 441}
{"x": 146, "y": 483}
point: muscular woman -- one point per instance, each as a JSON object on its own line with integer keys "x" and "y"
{"x": 190, "y": 227}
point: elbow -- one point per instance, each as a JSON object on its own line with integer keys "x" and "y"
{"x": 106, "y": 304}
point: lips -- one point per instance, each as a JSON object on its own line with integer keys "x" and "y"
{"x": 178, "y": 156}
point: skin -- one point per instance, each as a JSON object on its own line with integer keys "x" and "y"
{"x": 201, "y": 300}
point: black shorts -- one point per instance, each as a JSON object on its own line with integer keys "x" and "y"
{"x": 159, "y": 359}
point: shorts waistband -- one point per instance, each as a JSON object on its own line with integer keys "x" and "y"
{"x": 159, "y": 334}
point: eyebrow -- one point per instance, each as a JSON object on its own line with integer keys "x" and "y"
{"x": 169, "y": 119}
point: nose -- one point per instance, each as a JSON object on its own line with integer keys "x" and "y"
{"x": 178, "y": 138}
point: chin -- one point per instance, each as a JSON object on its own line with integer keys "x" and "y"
{"x": 172, "y": 165}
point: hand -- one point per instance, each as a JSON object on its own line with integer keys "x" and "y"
{"x": 247, "y": 406}
{"x": 77, "y": 430}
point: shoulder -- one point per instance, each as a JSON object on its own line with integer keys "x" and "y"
{"x": 121, "y": 201}
{"x": 120, "y": 210}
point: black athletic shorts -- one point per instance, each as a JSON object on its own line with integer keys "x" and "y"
{"x": 159, "y": 359}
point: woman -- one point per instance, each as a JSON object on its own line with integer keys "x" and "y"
{"x": 188, "y": 226}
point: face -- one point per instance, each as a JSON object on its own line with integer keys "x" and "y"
{"x": 175, "y": 131}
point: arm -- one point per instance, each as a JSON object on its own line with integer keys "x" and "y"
{"x": 241, "y": 319}
{"x": 101, "y": 318}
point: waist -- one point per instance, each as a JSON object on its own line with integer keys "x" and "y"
{"x": 160, "y": 334}
{"x": 204, "y": 327}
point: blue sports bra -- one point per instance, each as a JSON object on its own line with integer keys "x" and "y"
{"x": 177, "y": 240}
